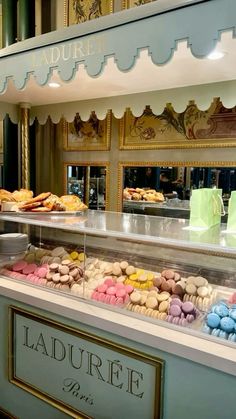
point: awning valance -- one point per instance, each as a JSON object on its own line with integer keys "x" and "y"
{"x": 179, "y": 98}
{"x": 149, "y": 55}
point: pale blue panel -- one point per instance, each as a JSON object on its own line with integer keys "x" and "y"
{"x": 200, "y": 24}
{"x": 191, "y": 390}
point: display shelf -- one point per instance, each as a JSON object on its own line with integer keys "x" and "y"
{"x": 170, "y": 232}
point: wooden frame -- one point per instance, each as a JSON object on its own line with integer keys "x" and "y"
{"x": 87, "y": 163}
{"x": 124, "y": 164}
{"x": 215, "y": 127}
{"x": 91, "y": 135}
{"x": 83, "y": 12}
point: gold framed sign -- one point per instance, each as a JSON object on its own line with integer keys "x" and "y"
{"x": 79, "y": 11}
{"x": 91, "y": 135}
{"x": 81, "y": 368}
{"x": 215, "y": 127}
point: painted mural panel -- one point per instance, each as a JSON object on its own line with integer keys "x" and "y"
{"x": 192, "y": 128}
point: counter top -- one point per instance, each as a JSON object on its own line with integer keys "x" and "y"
{"x": 167, "y": 232}
{"x": 181, "y": 342}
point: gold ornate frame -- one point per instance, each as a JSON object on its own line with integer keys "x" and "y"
{"x": 162, "y": 163}
{"x": 178, "y": 144}
{"x": 157, "y": 363}
{"x": 126, "y": 4}
{"x": 66, "y": 10}
{"x": 94, "y": 147}
{"x": 88, "y": 163}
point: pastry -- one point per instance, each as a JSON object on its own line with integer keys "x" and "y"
{"x": 39, "y": 198}
{"x": 30, "y": 206}
{"x": 40, "y": 209}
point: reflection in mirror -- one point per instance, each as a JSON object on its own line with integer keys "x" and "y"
{"x": 89, "y": 183}
{"x": 142, "y": 187}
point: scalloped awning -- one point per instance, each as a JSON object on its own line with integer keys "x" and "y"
{"x": 179, "y": 98}
{"x": 153, "y": 51}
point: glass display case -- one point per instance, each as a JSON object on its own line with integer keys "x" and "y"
{"x": 156, "y": 268}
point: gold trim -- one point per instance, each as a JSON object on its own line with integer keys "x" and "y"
{"x": 125, "y": 4}
{"x": 172, "y": 163}
{"x": 156, "y": 362}
{"x": 66, "y": 11}
{"x": 88, "y": 163}
{"x": 162, "y": 145}
{"x": 25, "y": 152}
{"x": 4, "y": 414}
{"x": 98, "y": 147}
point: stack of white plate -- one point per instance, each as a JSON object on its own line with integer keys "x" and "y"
{"x": 13, "y": 243}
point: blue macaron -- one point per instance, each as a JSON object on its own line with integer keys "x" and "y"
{"x": 227, "y": 324}
{"x": 213, "y": 320}
{"x": 222, "y": 310}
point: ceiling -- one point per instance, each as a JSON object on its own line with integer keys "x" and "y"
{"x": 182, "y": 70}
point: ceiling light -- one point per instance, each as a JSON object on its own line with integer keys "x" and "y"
{"x": 215, "y": 55}
{"x": 54, "y": 85}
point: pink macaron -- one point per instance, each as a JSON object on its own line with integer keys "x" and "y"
{"x": 111, "y": 291}
{"x": 29, "y": 269}
{"x": 129, "y": 288}
{"x": 42, "y": 272}
{"x": 121, "y": 293}
{"x": 119, "y": 301}
{"x": 109, "y": 282}
{"x": 102, "y": 288}
{"x": 19, "y": 266}
{"x": 112, "y": 300}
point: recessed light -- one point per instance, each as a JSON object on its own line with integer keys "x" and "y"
{"x": 215, "y": 55}
{"x": 54, "y": 85}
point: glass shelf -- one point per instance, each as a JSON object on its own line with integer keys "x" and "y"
{"x": 170, "y": 232}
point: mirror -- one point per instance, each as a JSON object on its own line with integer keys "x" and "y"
{"x": 89, "y": 182}
{"x": 175, "y": 183}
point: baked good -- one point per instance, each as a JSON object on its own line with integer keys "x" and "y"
{"x": 30, "y": 206}
{"x": 54, "y": 203}
{"x": 22, "y": 195}
{"x": 6, "y": 196}
{"x": 39, "y": 198}
{"x": 72, "y": 203}
{"x": 40, "y": 209}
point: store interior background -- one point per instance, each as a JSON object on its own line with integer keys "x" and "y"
{"x": 52, "y": 158}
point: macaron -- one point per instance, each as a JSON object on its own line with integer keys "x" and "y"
{"x": 227, "y": 324}
{"x": 221, "y": 310}
{"x": 175, "y": 310}
{"x": 29, "y": 268}
{"x": 187, "y": 307}
{"x": 213, "y": 320}
{"x": 19, "y": 266}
